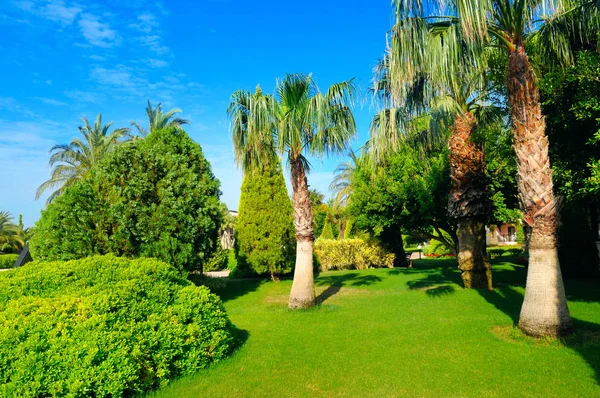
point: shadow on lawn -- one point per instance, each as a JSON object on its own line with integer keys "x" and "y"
{"x": 584, "y": 339}
{"x": 336, "y": 283}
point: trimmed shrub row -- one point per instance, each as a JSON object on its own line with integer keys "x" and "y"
{"x": 104, "y": 326}
{"x": 351, "y": 254}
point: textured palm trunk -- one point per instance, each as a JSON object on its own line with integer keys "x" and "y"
{"x": 303, "y": 287}
{"x": 544, "y": 311}
{"x": 469, "y": 203}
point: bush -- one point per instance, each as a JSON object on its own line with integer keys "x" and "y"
{"x": 104, "y": 326}
{"x": 437, "y": 249}
{"x": 218, "y": 261}
{"x": 327, "y": 232}
{"x": 264, "y": 236}
{"x": 156, "y": 197}
{"x": 8, "y": 260}
{"x": 350, "y": 254}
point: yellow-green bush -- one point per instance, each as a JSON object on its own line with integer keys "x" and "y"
{"x": 8, "y": 260}
{"x": 104, "y": 326}
{"x": 351, "y": 254}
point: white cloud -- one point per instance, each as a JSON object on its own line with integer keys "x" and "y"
{"x": 158, "y": 63}
{"x": 10, "y": 104}
{"x": 48, "y": 82}
{"x": 154, "y": 43}
{"x": 59, "y": 12}
{"x": 84, "y": 96}
{"x": 97, "y": 33}
{"x": 50, "y": 101}
{"x": 146, "y": 23}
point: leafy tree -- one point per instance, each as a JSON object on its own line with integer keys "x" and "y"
{"x": 264, "y": 242}
{"x": 157, "y": 120}
{"x": 301, "y": 121}
{"x": 407, "y": 193}
{"x": 571, "y": 99}
{"x": 73, "y": 161}
{"x": 150, "y": 198}
{"x": 319, "y": 210}
{"x": 509, "y": 24}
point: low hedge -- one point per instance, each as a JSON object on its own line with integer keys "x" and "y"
{"x": 104, "y": 326}
{"x": 351, "y": 254}
{"x": 437, "y": 249}
{"x": 8, "y": 260}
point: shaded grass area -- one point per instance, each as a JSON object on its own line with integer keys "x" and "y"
{"x": 400, "y": 332}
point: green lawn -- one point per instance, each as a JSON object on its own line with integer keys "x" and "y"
{"x": 400, "y": 332}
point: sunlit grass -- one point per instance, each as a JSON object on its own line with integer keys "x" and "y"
{"x": 400, "y": 332}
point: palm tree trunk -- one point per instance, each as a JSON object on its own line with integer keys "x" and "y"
{"x": 303, "y": 287}
{"x": 544, "y": 311}
{"x": 469, "y": 203}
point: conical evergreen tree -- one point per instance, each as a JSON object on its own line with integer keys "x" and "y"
{"x": 264, "y": 237}
{"x": 327, "y": 230}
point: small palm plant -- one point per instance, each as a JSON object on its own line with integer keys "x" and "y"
{"x": 72, "y": 161}
{"x": 157, "y": 119}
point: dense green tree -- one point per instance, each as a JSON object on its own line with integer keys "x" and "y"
{"x": 571, "y": 99}
{"x": 157, "y": 120}
{"x": 408, "y": 193}
{"x": 327, "y": 232}
{"x": 150, "y": 198}
{"x": 264, "y": 235}
{"x": 301, "y": 121}
{"x": 73, "y": 161}
{"x": 319, "y": 210}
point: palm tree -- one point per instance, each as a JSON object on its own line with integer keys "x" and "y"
{"x": 342, "y": 186}
{"x": 300, "y": 121}
{"x": 72, "y": 161}
{"x": 159, "y": 120}
{"x": 10, "y": 239}
{"x": 510, "y": 24}
{"x": 445, "y": 108}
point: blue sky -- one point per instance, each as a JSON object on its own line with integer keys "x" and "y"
{"x": 63, "y": 60}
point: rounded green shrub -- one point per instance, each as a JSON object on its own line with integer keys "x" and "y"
{"x": 8, "y": 260}
{"x": 104, "y": 326}
{"x": 437, "y": 249}
{"x": 264, "y": 234}
{"x": 155, "y": 197}
{"x": 218, "y": 261}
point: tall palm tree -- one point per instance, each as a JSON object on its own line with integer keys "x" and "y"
{"x": 342, "y": 186}
{"x": 453, "y": 109}
{"x": 72, "y": 161}
{"x": 511, "y": 24}
{"x": 157, "y": 119}
{"x": 300, "y": 121}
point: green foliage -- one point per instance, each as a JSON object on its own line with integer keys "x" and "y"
{"x": 351, "y": 254}
{"x": 265, "y": 240}
{"x": 438, "y": 249}
{"x": 496, "y": 252}
{"x": 8, "y": 260}
{"x": 12, "y": 236}
{"x": 104, "y": 326}
{"x": 155, "y": 197}
{"x": 409, "y": 192}
{"x": 218, "y": 261}
{"x": 327, "y": 230}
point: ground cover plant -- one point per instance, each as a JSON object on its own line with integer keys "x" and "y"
{"x": 104, "y": 326}
{"x": 401, "y": 332}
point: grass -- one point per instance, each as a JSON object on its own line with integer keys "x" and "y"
{"x": 400, "y": 332}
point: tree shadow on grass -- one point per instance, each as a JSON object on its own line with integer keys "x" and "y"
{"x": 227, "y": 289}
{"x": 585, "y": 336}
{"x": 336, "y": 282}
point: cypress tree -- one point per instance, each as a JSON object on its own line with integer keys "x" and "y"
{"x": 327, "y": 230}
{"x": 264, "y": 236}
